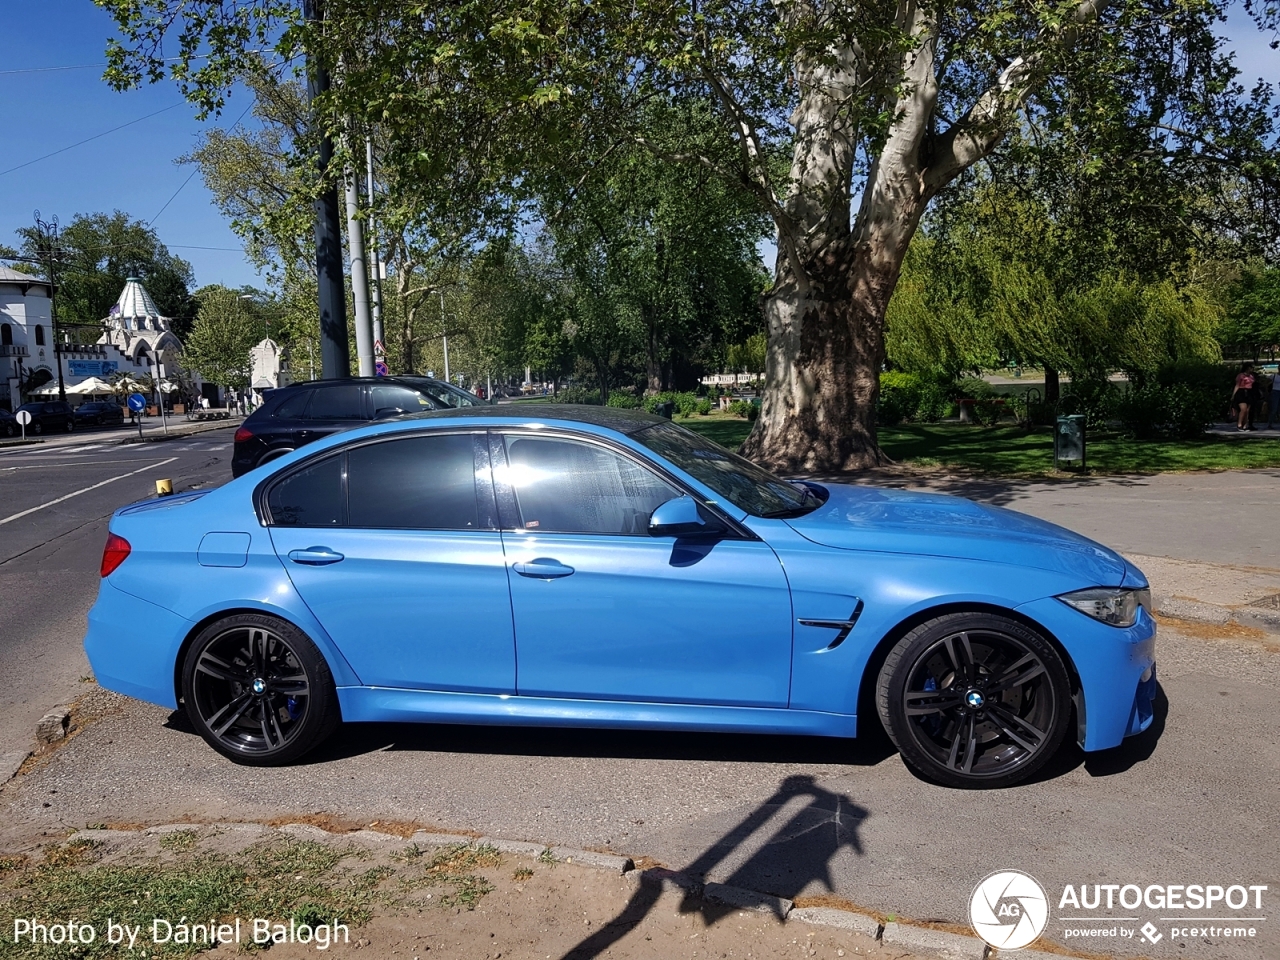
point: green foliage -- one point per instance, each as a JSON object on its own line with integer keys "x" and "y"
{"x": 227, "y": 326}
{"x": 1253, "y": 317}
{"x": 1180, "y": 401}
{"x": 98, "y": 252}
{"x": 915, "y": 397}
{"x": 748, "y": 357}
{"x": 745, "y": 409}
{"x": 579, "y": 395}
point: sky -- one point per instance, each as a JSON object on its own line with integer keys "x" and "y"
{"x": 43, "y": 110}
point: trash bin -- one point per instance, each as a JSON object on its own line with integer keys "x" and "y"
{"x": 666, "y": 408}
{"x": 1069, "y": 439}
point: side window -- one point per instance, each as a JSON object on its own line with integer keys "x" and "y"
{"x": 422, "y": 483}
{"x": 565, "y": 486}
{"x": 338, "y": 403}
{"x": 312, "y": 497}
{"x": 294, "y": 405}
{"x": 388, "y": 397}
{"x": 39, "y": 336}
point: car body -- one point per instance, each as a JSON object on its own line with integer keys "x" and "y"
{"x": 303, "y": 412}
{"x": 9, "y": 425}
{"x": 99, "y": 413}
{"x": 587, "y": 566}
{"x": 49, "y": 415}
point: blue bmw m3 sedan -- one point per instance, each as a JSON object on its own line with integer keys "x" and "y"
{"x": 586, "y": 566}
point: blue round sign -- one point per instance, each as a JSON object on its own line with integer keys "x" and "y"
{"x": 137, "y": 402}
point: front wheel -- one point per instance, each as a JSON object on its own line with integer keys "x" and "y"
{"x": 258, "y": 690}
{"x": 974, "y": 700}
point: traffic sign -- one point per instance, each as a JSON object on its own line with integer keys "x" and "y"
{"x": 137, "y": 402}
{"x": 381, "y": 369}
{"x": 23, "y": 417}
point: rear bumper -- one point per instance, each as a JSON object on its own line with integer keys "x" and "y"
{"x": 133, "y": 645}
{"x": 1116, "y": 667}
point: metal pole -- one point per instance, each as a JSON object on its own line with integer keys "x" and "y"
{"x": 359, "y": 278}
{"x": 444, "y": 334}
{"x": 49, "y": 249}
{"x": 335, "y": 359}
{"x": 379, "y": 343}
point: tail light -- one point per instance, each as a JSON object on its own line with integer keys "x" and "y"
{"x": 113, "y": 554}
{"x": 243, "y": 434}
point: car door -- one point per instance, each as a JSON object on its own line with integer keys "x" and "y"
{"x": 332, "y": 408}
{"x": 605, "y": 611}
{"x": 394, "y": 546}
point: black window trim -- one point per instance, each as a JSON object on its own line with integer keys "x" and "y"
{"x": 486, "y": 507}
{"x": 505, "y": 496}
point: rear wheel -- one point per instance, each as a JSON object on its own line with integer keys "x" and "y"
{"x": 974, "y": 700}
{"x": 258, "y": 690}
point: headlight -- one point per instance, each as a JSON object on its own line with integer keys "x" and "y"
{"x": 1117, "y": 606}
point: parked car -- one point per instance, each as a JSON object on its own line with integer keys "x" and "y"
{"x": 299, "y": 414}
{"x": 101, "y": 413}
{"x": 9, "y": 426}
{"x": 597, "y": 567}
{"x": 49, "y": 415}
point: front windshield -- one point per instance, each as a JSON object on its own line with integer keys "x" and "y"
{"x": 738, "y": 480}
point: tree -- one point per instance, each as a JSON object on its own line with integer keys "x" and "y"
{"x": 99, "y": 252}
{"x": 841, "y": 121}
{"x": 1253, "y": 320}
{"x": 227, "y": 326}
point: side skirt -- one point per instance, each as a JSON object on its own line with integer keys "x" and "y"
{"x": 391, "y": 705}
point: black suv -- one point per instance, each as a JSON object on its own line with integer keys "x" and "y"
{"x": 102, "y": 413}
{"x": 49, "y": 415}
{"x": 297, "y": 414}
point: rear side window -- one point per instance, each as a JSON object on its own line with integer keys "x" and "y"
{"x": 312, "y": 497}
{"x": 338, "y": 403}
{"x": 422, "y": 483}
{"x": 294, "y": 405}
{"x": 388, "y": 397}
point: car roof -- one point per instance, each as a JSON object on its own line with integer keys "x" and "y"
{"x": 339, "y": 381}
{"x": 611, "y": 418}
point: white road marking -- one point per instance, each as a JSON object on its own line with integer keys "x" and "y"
{"x": 103, "y": 483}
{"x": 46, "y": 465}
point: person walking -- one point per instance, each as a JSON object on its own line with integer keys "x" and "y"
{"x": 1242, "y": 396}
{"x": 1273, "y": 404}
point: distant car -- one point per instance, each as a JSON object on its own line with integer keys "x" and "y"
{"x": 101, "y": 413}
{"x": 596, "y": 567}
{"x": 302, "y": 413}
{"x": 9, "y": 425}
{"x": 49, "y": 415}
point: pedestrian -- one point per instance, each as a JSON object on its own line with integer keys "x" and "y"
{"x": 1242, "y": 396}
{"x": 1273, "y": 405}
{"x": 204, "y": 403}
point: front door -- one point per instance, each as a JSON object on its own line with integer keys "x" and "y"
{"x": 605, "y": 611}
{"x": 394, "y": 546}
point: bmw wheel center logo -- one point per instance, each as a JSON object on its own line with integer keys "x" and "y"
{"x": 1009, "y": 909}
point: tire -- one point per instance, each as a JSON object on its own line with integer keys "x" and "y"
{"x": 974, "y": 700}
{"x": 265, "y": 715}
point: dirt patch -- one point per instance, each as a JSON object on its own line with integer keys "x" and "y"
{"x": 331, "y": 823}
{"x": 1230, "y": 632}
{"x": 461, "y": 901}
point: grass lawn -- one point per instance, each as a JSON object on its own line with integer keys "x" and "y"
{"x": 1012, "y": 451}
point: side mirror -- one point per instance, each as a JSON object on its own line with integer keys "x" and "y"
{"x": 385, "y": 413}
{"x": 679, "y": 518}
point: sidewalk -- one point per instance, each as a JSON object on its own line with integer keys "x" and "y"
{"x": 1219, "y": 594}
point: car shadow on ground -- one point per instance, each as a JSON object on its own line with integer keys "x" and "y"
{"x": 795, "y": 833}
{"x": 363, "y": 738}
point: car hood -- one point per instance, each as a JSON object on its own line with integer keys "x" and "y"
{"x": 896, "y": 521}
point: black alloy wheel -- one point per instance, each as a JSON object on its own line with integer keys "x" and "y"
{"x": 258, "y": 690}
{"x": 974, "y": 700}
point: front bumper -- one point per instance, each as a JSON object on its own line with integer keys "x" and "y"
{"x": 1116, "y": 667}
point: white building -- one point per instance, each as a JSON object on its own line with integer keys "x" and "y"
{"x": 135, "y": 334}
{"x": 26, "y": 336}
{"x": 269, "y": 368}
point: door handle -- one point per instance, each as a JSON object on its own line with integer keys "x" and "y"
{"x": 543, "y": 568}
{"x": 315, "y": 556}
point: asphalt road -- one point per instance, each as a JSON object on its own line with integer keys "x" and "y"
{"x": 55, "y": 501}
{"x": 1192, "y": 801}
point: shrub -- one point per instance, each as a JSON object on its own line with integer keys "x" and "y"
{"x": 628, "y": 401}
{"x": 704, "y": 406}
{"x": 1180, "y": 402}
{"x": 579, "y": 395}
{"x": 910, "y": 396}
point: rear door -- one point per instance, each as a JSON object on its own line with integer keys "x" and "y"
{"x": 333, "y": 408}
{"x": 395, "y": 548}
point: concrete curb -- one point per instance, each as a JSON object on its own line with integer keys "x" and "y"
{"x": 183, "y": 434}
{"x": 747, "y": 899}
{"x": 1197, "y": 611}
{"x": 920, "y": 940}
{"x": 951, "y": 946}
{"x": 9, "y": 764}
